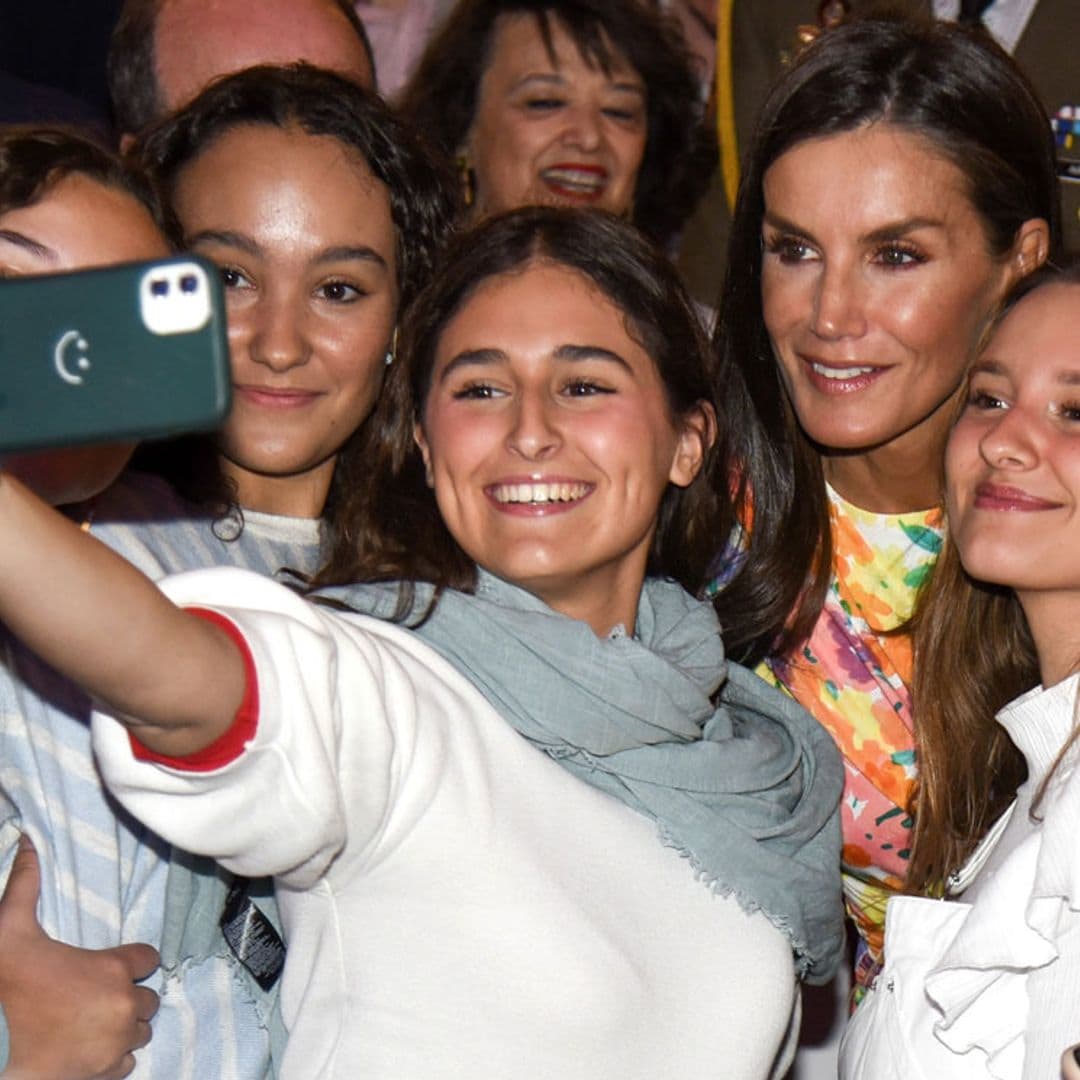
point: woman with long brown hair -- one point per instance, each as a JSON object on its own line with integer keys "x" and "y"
{"x": 985, "y": 984}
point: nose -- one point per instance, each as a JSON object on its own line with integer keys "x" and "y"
{"x": 584, "y": 129}
{"x": 1009, "y": 442}
{"x": 839, "y": 303}
{"x": 534, "y": 433}
{"x": 278, "y": 340}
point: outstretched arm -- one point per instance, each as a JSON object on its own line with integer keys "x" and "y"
{"x": 100, "y": 622}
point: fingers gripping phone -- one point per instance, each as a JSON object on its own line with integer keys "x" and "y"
{"x": 115, "y": 354}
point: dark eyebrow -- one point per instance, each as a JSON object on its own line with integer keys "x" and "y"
{"x": 572, "y": 353}
{"x": 892, "y": 231}
{"x": 341, "y": 253}
{"x": 348, "y": 253}
{"x": 986, "y": 366}
{"x": 473, "y": 356}
{"x": 225, "y": 237}
{"x": 590, "y": 352}
{"x": 21, "y": 240}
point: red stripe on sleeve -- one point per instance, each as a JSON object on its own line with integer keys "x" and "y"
{"x": 230, "y": 745}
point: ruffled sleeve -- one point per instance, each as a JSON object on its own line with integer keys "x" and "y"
{"x": 1009, "y": 982}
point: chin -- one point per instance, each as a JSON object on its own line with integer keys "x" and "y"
{"x": 990, "y": 562}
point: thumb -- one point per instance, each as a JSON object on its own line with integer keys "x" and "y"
{"x": 140, "y": 960}
{"x": 20, "y": 898}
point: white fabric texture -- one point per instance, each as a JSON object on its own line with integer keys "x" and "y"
{"x": 989, "y": 986}
{"x": 456, "y": 904}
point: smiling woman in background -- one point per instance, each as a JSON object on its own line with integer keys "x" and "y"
{"x": 588, "y": 103}
{"x": 901, "y": 180}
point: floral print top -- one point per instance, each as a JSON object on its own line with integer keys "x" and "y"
{"x": 854, "y": 676}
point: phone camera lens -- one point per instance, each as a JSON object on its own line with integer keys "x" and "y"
{"x": 189, "y": 283}
{"x": 159, "y": 287}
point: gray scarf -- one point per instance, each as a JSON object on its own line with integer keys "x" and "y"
{"x": 746, "y": 787}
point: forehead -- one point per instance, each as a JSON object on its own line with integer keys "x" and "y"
{"x": 81, "y": 222}
{"x": 196, "y": 41}
{"x": 285, "y": 181}
{"x": 517, "y": 46}
{"x": 879, "y": 167}
{"x": 533, "y": 310}
{"x": 1042, "y": 332}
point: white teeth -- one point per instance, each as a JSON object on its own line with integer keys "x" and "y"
{"x": 539, "y": 493}
{"x": 841, "y": 373}
{"x": 575, "y": 178}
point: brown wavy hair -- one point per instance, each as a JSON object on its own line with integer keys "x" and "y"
{"x": 422, "y": 206}
{"x": 34, "y": 157}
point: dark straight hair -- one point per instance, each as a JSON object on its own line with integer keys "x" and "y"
{"x": 963, "y": 95}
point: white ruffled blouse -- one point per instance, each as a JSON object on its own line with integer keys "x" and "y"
{"x": 989, "y": 986}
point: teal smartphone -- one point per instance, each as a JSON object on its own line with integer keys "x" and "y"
{"x": 122, "y": 353}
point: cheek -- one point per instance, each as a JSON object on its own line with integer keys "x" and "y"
{"x": 1069, "y": 468}
{"x": 784, "y": 303}
{"x": 354, "y": 350}
{"x": 962, "y": 458}
{"x": 456, "y": 444}
{"x": 631, "y": 154}
{"x": 503, "y": 150}
{"x": 635, "y": 445}
{"x": 941, "y": 321}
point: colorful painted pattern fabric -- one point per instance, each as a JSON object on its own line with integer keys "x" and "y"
{"x": 854, "y": 677}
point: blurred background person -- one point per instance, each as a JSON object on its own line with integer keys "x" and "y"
{"x": 589, "y": 103}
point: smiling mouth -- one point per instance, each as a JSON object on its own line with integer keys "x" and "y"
{"x": 538, "y": 494}
{"x": 576, "y": 181}
{"x": 274, "y": 396}
{"x": 1004, "y": 497}
{"x": 839, "y": 373}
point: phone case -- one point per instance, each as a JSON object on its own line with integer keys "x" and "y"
{"x": 116, "y": 354}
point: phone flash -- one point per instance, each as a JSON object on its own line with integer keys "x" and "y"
{"x": 174, "y": 298}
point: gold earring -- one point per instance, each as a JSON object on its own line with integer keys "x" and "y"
{"x": 467, "y": 176}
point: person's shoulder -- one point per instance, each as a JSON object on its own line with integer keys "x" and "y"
{"x": 143, "y": 519}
